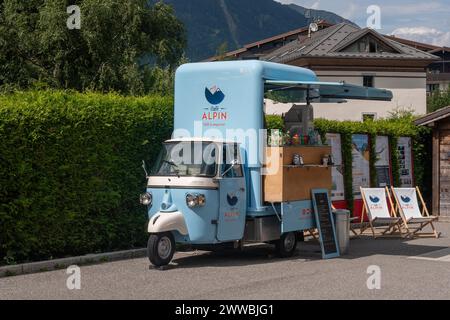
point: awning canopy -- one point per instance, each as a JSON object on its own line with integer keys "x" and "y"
{"x": 329, "y": 90}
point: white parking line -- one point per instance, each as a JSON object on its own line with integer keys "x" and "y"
{"x": 442, "y": 255}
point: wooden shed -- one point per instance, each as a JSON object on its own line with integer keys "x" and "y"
{"x": 439, "y": 121}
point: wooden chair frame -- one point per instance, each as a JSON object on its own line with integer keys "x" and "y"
{"x": 414, "y": 226}
{"x": 387, "y": 230}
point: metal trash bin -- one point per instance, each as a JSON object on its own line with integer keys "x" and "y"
{"x": 342, "y": 221}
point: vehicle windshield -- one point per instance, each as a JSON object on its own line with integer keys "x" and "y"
{"x": 187, "y": 159}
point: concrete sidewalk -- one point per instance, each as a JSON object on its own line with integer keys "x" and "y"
{"x": 55, "y": 264}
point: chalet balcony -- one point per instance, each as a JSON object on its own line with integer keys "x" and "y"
{"x": 438, "y": 77}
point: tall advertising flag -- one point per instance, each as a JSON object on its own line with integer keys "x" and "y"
{"x": 405, "y": 162}
{"x": 337, "y": 191}
{"x": 360, "y": 163}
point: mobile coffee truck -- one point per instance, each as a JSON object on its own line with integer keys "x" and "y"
{"x": 222, "y": 196}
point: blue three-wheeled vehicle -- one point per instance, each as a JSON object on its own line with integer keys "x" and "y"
{"x": 207, "y": 185}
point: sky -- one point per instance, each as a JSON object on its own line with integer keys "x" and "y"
{"x": 419, "y": 20}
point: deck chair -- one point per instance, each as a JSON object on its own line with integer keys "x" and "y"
{"x": 413, "y": 219}
{"x": 381, "y": 217}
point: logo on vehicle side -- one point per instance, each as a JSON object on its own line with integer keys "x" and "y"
{"x": 214, "y": 95}
{"x": 405, "y": 199}
{"x": 232, "y": 199}
{"x": 374, "y": 199}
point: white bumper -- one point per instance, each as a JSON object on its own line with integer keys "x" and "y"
{"x": 167, "y": 221}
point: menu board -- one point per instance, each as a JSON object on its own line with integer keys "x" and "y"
{"x": 325, "y": 223}
{"x": 337, "y": 190}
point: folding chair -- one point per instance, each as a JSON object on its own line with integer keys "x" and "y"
{"x": 413, "y": 219}
{"x": 381, "y": 218}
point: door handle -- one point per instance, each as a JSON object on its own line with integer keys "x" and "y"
{"x": 242, "y": 189}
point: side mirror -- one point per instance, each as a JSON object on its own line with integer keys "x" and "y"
{"x": 233, "y": 164}
{"x": 145, "y": 168}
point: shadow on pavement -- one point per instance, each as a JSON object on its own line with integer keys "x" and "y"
{"x": 360, "y": 247}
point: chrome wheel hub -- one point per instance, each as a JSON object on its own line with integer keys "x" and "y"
{"x": 164, "y": 247}
{"x": 289, "y": 241}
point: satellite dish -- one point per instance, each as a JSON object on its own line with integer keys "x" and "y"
{"x": 313, "y": 27}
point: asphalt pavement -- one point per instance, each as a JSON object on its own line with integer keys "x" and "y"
{"x": 373, "y": 269}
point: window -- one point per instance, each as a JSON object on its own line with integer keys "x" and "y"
{"x": 373, "y": 46}
{"x": 369, "y": 81}
{"x": 369, "y": 44}
{"x": 369, "y": 116}
{"x": 179, "y": 159}
{"x": 432, "y": 87}
{"x": 231, "y": 154}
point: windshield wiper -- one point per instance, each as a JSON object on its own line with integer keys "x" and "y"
{"x": 171, "y": 163}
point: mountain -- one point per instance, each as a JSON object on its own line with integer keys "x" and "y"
{"x": 212, "y": 23}
{"x": 314, "y": 15}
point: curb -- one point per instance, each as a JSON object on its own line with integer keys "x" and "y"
{"x": 57, "y": 264}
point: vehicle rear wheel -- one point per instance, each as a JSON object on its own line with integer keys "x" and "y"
{"x": 286, "y": 245}
{"x": 161, "y": 248}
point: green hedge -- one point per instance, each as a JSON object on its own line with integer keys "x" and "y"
{"x": 274, "y": 122}
{"x": 70, "y": 171}
{"x": 393, "y": 128}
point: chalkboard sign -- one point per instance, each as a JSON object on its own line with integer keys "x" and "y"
{"x": 325, "y": 223}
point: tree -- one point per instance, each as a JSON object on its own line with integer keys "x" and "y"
{"x": 221, "y": 52}
{"x": 117, "y": 46}
{"x": 439, "y": 99}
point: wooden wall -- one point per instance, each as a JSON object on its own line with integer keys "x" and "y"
{"x": 441, "y": 168}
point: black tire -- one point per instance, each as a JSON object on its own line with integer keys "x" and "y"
{"x": 286, "y": 245}
{"x": 160, "y": 248}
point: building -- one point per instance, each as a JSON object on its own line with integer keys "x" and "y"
{"x": 344, "y": 52}
{"x": 438, "y": 76}
{"x": 258, "y": 49}
{"x": 438, "y": 72}
{"x": 439, "y": 121}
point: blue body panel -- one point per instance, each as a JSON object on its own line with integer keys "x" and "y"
{"x": 297, "y": 215}
{"x": 198, "y": 220}
{"x": 234, "y": 102}
{"x": 221, "y": 206}
{"x": 232, "y": 209}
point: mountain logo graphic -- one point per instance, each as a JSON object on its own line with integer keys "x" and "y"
{"x": 214, "y": 95}
{"x": 374, "y": 199}
{"x": 405, "y": 199}
{"x": 232, "y": 199}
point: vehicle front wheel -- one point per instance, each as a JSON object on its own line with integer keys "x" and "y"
{"x": 286, "y": 245}
{"x": 161, "y": 248}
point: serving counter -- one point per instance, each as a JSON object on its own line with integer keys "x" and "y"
{"x": 294, "y": 182}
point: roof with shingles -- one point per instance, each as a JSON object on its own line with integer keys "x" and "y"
{"x": 330, "y": 41}
{"x": 249, "y": 46}
{"x": 433, "y": 117}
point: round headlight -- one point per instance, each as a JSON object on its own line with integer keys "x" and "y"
{"x": 146, "y": 199}
{"x": 195, "y": 200}
{"x": 191, "y": 200}
{"x": 201, "y": 200}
